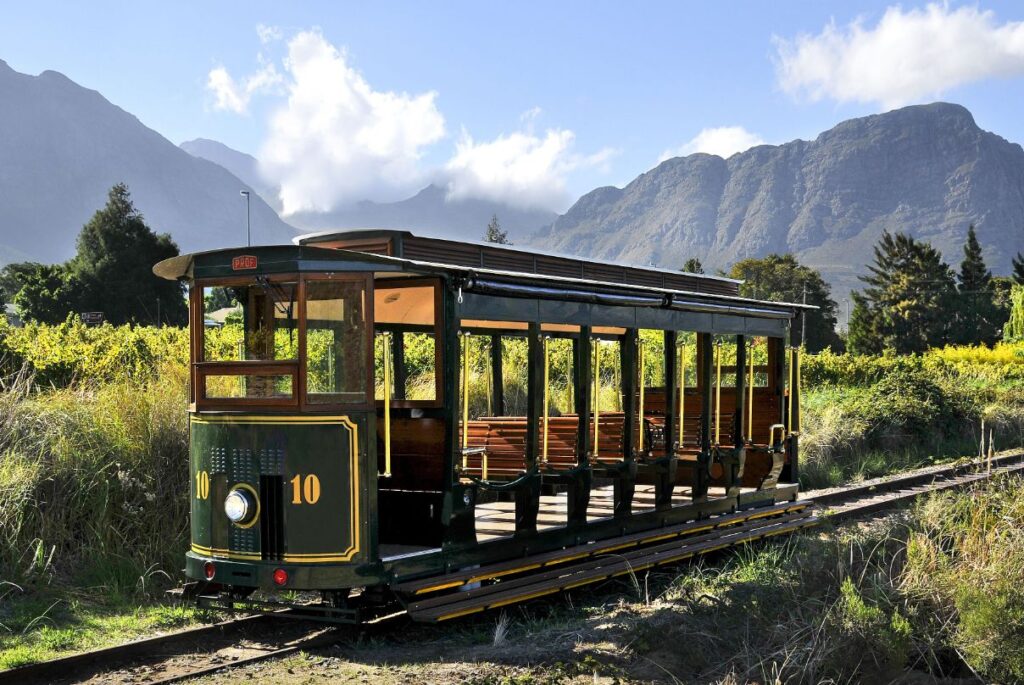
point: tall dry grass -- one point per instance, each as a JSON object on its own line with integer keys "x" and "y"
{"x": 93, "y": 481}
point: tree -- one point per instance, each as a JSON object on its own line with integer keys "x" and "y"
{"x": 494, "y": 233}
{"x": 783, "y": 278}
{"x": 11, "y": 279}
{"x": 1018, "y": 268}
{"x": 114, "y": 266}
{"x": 693, "y": 266}
{"x": 862, "y": 336}
{"x": 1014, "y": 330}
{"x": 46, "y": 293}
{"x": 978, "y": 319}
{"x": 112, "y": 273}
{"x": 908, "y": 302}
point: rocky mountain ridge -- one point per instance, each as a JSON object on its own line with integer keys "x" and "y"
{"x": 928, "y": 170}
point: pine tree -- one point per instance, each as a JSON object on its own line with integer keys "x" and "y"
{"x": 978, "y": 319}
{"x": 862, "y": 336}
{"x": 908, "y": 300}
{"x": 114, "y": 266}
{"x": 1018, "y": 268}
{"x": 494, "y": 233}
{"x": 693, "y": 266}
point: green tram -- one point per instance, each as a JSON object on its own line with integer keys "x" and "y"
{"x": 376, "y": 416}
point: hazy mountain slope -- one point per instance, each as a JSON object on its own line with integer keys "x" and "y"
{"x": 244, "y": 166}
{"x": 430, "y": 213}
{"x": 63, "y": 146}
{"x": 925, "y": 169}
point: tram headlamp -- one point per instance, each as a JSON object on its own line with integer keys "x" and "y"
{"x": 240, "y": 506}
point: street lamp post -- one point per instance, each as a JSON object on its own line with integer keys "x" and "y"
{"x": 248, "y": 225}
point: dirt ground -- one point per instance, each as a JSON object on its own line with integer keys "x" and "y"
{"x": 546, "y": 642}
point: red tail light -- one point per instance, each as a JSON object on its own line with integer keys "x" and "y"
{"x": 280, "y": 576}
{"x": 209, "y": 570}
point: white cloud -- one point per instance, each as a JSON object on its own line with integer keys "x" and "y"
{"x": 336, "y": 139}
{"x": 333, "y": 140}
{"x": 724, "y": 141}
{"x": 268, "y": 34}
{"x": 908, "y": 56}
{"x": 521, "y": 169}
{"x": 234, "y": 96}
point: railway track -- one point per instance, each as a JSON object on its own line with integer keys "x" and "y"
{"x": 204, "y": 650}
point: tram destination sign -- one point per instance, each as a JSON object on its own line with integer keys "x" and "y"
{"x": 243, "y": 262}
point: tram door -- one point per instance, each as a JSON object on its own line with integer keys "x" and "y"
{"x": 411, "y": 421}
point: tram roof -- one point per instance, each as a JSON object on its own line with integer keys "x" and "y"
{"x": 307, "y": 258}
{"x": 402, "y": 243}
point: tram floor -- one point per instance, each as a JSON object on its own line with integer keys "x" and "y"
{"x": 497, "y": 519}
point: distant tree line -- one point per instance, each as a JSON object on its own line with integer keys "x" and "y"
{"x": 111, "y": 272}
{"x": 911, "y": 301}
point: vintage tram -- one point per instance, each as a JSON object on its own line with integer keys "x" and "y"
{"x": 404, "y": 423}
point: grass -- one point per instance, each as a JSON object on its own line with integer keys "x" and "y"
{"x": 41, "y": 627}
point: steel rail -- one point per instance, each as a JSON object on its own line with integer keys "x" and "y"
{"x": 887, "y": 492}
{"x": 149, "y": 651}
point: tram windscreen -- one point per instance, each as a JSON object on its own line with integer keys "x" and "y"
{"x": 259, "y": 321}
{"x": 336, "y": 342}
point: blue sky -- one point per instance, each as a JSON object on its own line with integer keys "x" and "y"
{"x": 533, "y": 103}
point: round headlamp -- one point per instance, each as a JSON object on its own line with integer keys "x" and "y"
{"x": 240, "y": 506}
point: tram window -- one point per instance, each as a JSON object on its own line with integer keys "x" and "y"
{"x": 515, "y": 380}
{"x": 420, "y": 366}
{"x": 406, "y": 309}
{"x": 258, "y": 321}
{"x": 725, "y": 347}
{"x": 247, "y": 386}
{"x": 419, "y": 363}
{"x": 687, "y": 357}
{"x": 335, "y": 342}
{"x": 560, "y": 376}
{"x": 608, "y": 375}
{"x": 759, "y": 352}
{"x": 653, "y": 345}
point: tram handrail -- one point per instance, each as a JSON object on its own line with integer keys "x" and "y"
{"x": 718, "y": 392}
{"x": 547, "y": 411}
{"x": 640, "y": 421}
{"x": 750, "y": 397}
{"x": 682, "y": 391}
{"x": 387, "y": 404}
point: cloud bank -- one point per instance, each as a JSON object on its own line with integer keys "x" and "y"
{"x": 908, "y": 56}
{"x": 334, "y": 139}
{"x": 724, "y": 141}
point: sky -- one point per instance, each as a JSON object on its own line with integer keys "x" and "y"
{"x": 528, "y": 103}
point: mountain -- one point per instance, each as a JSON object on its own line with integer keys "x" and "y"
{"x": 63, "y": 146}
{"x": 430, "y": 212}
{"x": 244, "y": 166}
{"x": 928, "y": 170}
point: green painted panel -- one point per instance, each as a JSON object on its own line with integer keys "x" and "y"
{"x": 317, "y": 463}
